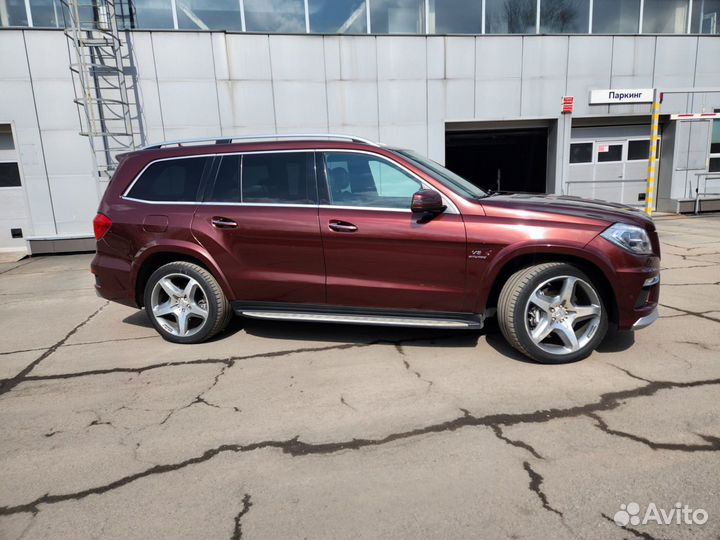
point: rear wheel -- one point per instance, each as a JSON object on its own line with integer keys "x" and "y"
{"x": 185, "y": 303}
{"x": 552, "y": 313}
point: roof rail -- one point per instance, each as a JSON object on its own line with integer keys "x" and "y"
{"x": 227, "y": 139}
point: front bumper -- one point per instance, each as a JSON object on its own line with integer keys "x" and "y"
{"x": 635, "y": 280}
{"x": 647, "y": 320}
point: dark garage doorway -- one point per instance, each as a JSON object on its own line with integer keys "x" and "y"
{"x": 517, "y": 156}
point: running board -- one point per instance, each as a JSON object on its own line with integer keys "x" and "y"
{"x": 474, "y": 323}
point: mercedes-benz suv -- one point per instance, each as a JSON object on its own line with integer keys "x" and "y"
{"x": 333, "y": 228}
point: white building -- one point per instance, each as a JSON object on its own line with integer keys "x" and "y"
{"x": 487, "y": 103}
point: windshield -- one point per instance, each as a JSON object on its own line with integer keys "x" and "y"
{"x": 446, "y": 177}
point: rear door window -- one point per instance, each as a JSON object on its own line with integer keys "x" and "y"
{"x": 170, "y": 180}
{"x": 278, "y": 178}
{"x": 227, "y": 181}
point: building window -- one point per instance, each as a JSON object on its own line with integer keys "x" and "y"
{"x": 455, "y": 16}
{"x": 581, "y": 152}
{"x": 510, "y": 16}
{"x": 12, "y": 13}
{"x": 9, "y": 169}
{"x": 616, "y": 17}
{"x": 153, "y": 14}
{"x": 609, "y": 152}
{"x": 204, "y": 15}
{"x": 638, "y": 150}
{"x": 338, "y": 16}
{"x": 275, "y": 16}
{"x": 714, "y": 163}
{"x": 665, "y": 16}
{"x": 46, "y": 13}
{"x": 397, "y": 16}
{"x": 706, "y": 17}
{"x": 564, "y": 16}
{"x": 9, "y": 175}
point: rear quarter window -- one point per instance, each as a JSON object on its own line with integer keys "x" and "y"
{"x": 170, "y": 180}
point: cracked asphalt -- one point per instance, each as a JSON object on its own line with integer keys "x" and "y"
{"x": 278, "y": 430}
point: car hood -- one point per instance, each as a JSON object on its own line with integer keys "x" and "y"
{"x": 571, "y": 206}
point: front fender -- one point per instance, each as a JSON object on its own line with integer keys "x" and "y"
{"x": 527, "y": 250}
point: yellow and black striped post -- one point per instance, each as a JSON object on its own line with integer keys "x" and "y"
{"x": 653, "y": 158}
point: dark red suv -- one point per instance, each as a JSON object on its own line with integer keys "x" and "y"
{"x": 332, "y": 228}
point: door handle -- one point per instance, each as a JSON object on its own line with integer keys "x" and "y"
{"x": 223, "y": 223}
{"x": 342, "y": 226}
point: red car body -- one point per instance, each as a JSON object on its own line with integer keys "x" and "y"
{"x": 455, "y": 263}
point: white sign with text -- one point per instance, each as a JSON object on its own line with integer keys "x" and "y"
{"x": 621, "y": 95}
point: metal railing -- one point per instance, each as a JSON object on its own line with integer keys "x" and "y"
{"x": 705, "y": 176}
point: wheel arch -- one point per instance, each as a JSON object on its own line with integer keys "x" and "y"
{"x": 596, "y": 270}
{"x": 156, "y": 256}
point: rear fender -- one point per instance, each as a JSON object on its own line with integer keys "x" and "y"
{"x": 186, "y": 249}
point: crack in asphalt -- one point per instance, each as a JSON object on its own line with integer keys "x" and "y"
{"x": 497, "y": 430}
{"x": 343, "y": 402}
{"x": 8, "y": 384}
{"x": 712, "y": 446}
{"x": 700, "y": 314}
{"x": 536, "y": 482}
{"x": 17, "y": 265}
{"x": 229, "y": 361}
{"x": 237, "y": 530}
{"x": 200, "y": 398}
{"x": 408, "y": 367}
{"x": 638, "y": 534}
{"x": 687, "y": 284}
{"x": 297, "y": 448}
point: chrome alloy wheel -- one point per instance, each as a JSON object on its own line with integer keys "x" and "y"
{"x": 562, "y": 314}
{"x": 179, "y": 305}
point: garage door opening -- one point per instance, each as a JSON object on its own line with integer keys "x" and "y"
{"x": 512, "y": 160}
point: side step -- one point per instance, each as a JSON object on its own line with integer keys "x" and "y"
{"x": 474, "y": 323}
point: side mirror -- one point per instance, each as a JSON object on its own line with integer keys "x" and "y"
{"x": 427, "y": 202}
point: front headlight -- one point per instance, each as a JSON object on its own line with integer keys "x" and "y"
{"x": 630, "y": 237}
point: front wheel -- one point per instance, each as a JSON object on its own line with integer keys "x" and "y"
{"x": 185, "y": 303}
{"x": 552, "y": 313}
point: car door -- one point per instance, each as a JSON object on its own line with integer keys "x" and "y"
{"x": 377, "y": 254}
{"x": 259, "y": 220}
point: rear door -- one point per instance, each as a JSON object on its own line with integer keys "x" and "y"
{"x": 259, "y": 221}
{"x": 376, "y": 253}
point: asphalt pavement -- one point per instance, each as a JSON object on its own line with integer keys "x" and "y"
{"x": 279, "y": 430}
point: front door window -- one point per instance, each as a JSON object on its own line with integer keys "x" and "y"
{"x": 362, "y": 180}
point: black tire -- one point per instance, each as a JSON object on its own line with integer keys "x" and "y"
{"x": 219, "y": 311}
{"x": 513, "y": 318}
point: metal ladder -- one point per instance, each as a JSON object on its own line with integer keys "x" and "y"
{"x": 99, "y": 65}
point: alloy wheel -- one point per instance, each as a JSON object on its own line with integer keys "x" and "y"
{"x": 179, "y": 304}
{"x": 562, "y": 314}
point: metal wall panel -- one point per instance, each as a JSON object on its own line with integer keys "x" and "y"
{"x": 544, "y": 69}
{"x": 401, "y": 57}
{"x": 633, "y": 65}
{"x": 498, "y": 77}
{"x": 294, "y": 59}
{"x": 400, "y": 89}
{"x": 589, "y": 67}
{"x": 300, "y": 106}
{"x": 675, "y": 68}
